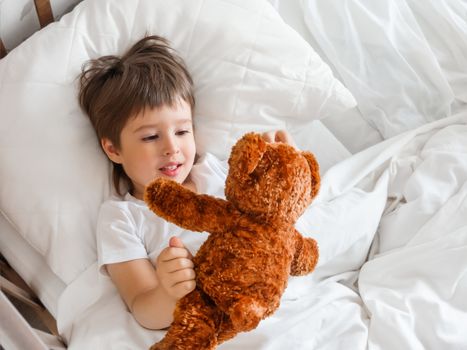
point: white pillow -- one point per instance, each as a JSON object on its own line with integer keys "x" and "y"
{"x": 251, "y": 72}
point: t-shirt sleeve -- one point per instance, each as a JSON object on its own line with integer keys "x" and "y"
{"x": 117, "y": 236}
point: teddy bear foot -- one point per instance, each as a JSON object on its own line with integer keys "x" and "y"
{"x": 246, "y": 314}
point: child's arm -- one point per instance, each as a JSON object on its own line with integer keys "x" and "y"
{"x": 151, "y": 294}
{"x": 195, "y": 212}
{"x": 306, "y": 255}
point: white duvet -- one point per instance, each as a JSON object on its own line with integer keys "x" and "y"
{"x": 404, "y": 61}
{"x": 391, "y": 223}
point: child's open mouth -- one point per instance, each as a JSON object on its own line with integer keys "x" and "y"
{"x": 171, "y": 170}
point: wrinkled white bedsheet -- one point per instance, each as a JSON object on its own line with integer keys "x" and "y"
{"x": 404, "y": 61}
{"x": 391, "y": 222}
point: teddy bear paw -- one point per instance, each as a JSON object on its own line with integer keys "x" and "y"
{"x": 246, "y": 314}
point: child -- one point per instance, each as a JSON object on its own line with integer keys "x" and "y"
{"x": 141, "y": 106}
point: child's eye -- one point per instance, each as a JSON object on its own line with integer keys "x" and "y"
{"x": 182, "y": 132}
{"x": 150, "y": 138}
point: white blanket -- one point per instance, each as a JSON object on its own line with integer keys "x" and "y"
{"x": 404, "y": 61}
{"x": 391, "y": 223}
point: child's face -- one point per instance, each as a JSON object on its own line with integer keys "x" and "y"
{"x": 156, "y": 143}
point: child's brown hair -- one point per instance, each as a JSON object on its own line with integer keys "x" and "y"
{"x": 113, "y": 89}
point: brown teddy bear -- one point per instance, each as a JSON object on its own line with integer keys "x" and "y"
{"x": 243, "y": 266}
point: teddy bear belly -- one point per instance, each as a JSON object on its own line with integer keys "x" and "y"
{"x": 255, "y": 273}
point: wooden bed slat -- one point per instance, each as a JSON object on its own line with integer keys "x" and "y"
{"x": 2, "y": 49}
{"x": 16, "y": 332}
{"x": 11, "y": 289}
{"x": 12, "y": 284}
{"x": 44, "y": 12}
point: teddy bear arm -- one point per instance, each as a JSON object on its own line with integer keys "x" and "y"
{"x": 210, "y": 214}
{"x": 306, "y": 255}
{"x": 187, "y": 209}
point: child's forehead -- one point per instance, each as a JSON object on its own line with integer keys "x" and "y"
{"x": 160, "y": 117}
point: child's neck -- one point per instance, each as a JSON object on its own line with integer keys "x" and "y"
{"x": 190, "y": 184}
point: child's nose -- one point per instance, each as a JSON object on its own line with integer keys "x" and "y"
{"x": 171, "y": 146}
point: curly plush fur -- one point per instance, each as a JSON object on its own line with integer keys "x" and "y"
{"x": 243, "y": 267}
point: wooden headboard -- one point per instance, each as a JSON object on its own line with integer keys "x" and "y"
{"x": 45, "y": 16}
{"x": 44, "y": 12}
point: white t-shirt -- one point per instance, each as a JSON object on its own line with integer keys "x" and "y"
{"x": 128, "y": 230}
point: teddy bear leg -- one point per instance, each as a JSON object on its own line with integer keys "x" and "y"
{"x": 226, "y": 330}
{"x": 246, "y": 313}
{"x": 195, "y": 325}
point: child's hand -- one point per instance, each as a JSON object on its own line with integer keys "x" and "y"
{"x": 278, "y": 136}
{"x": 174, "y": 269}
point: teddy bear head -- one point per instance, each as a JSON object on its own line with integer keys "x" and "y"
{"x": 272, "y": 181}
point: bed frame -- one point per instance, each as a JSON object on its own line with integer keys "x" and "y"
{"x": 16, "y": 330}
{"x": 44, "y": 14}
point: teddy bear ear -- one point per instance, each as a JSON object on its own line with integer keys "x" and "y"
{"x": 314, "y": 167}
{"x": 247, "y": 152}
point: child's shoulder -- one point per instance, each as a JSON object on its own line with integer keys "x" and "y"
{"x": 125, "y": 211}
{"x": 125, "y": 203}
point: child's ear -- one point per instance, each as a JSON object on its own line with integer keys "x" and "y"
{"x": 111, "y": 151}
